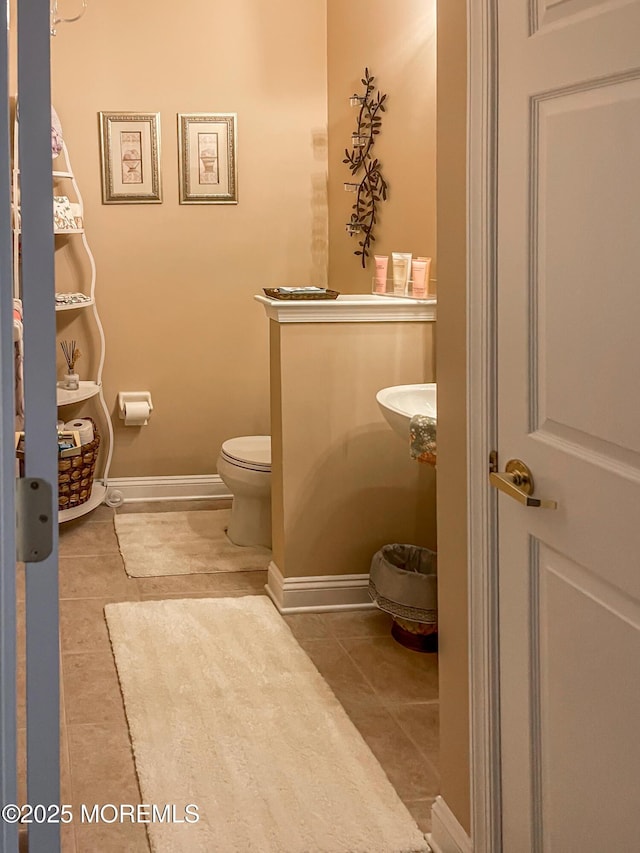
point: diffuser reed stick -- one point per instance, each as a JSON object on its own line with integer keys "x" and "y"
{"x": 71, "y": 354}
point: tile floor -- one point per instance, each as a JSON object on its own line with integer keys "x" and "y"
{"x": 389, "y": 692}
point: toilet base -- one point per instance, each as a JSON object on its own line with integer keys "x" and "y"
{"x": 250, "y": 522}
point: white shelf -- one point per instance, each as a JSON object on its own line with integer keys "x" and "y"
{"x": 61, "y": 306}
{"x": 98, "y": 493}
{"x": 58, "y": 231}
{"x": 84, "y": 392}
{"x": 88, "y": 389}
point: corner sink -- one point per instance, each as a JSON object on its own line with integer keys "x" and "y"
{"x": 400, "y": 403}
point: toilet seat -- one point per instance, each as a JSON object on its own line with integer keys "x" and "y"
{"x": 252, "y": 452}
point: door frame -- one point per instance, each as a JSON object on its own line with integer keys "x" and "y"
{"x": 482, "y": 398}
{"x": 8, "y": 638}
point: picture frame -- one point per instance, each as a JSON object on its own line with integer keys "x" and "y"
{"x": 207, "y": 154}
{"x": 130, "y": 157}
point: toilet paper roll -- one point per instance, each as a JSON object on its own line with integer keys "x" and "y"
{"x": 136, "y": 414}
{"x": 82, "y": 426}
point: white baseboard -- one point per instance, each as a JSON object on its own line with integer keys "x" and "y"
{"x": 318, "y": 594}
{"x": 447, "y": 835}
{"x": 198, "y": 487}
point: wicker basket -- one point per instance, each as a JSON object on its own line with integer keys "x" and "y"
{"x": 75, "y": 473}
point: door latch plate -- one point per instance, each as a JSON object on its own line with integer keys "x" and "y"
{"x": 34, "y": 519}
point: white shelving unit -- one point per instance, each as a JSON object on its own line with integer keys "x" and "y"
{"x": 88, "y": 388}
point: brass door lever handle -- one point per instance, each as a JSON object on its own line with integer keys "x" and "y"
{"x": 517, "y": 482}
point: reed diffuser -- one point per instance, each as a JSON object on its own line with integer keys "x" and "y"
{"x": 71, "y": 353}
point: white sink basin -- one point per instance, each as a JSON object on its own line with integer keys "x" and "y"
{"x": 400, "y": 403}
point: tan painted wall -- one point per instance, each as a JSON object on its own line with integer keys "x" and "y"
{"x": 452, "y": 461}
{"x": 175, "y": 282}
{"x": 344, "y": 484}
{"x": 397, "y": 42}
{"x": 159, "y": 264}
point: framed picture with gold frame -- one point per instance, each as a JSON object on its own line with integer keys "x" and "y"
{"x": 130, "y": 157}
{"x": 207, "y": 145}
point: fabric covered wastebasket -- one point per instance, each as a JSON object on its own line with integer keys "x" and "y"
{"x": 403, "y": 582}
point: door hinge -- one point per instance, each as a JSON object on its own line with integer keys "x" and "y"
{"x": 34, "y": 519}
{"x": 493, "y": 462}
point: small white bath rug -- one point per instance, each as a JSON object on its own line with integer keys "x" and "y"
{"x": 154, "y": 544}
{"x": 227, "y": 713}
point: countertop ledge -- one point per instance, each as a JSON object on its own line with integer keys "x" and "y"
{"x": 351, "y": 308}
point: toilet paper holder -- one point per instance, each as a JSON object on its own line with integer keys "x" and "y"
{"x": 126, "y": 398}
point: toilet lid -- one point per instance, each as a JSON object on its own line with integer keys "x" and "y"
{"x": 249, "y": 450}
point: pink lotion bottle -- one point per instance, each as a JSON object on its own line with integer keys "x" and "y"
{"x": 420, "y": 271}
{"x": 380, "y": 281}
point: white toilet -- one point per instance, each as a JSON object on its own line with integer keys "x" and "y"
{"x": 244, "y": 465}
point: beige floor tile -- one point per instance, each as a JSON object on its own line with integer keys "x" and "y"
{"x": 66, "y": 793}
{"x": 20, "y": 581}
{"x": 91, "y": 689}
{"x": 102, "y": 769}
{"x": 21, "y": 746}
{"x": 356, "y": 624}
{"x": 20, "y": 621}
{"x": 174, "y": 506}
{"x": 421, "y": 813}
{"x": 83, "y": 538}
{"x": 96, "y": 577}
{"x": 21, "y": 695}
{"x": 340, "y": 673}
{"x": 409, "y": 772}
{"x": 67, "y": 830}
{"x": 68, "y": 838}
{"x": 21, "y": 666}
{"x": 100, "y": 513}
{"x": 111, "y": 838}
{"x": 397, "y": 674}
{"x": 369, "y": 672}
{"x": 214, "y": 582}
{"x": 309, "y": 626}
{"x": 82, "y": 625}
{"x": 420, "y": 722}
{"x": 166, "y": 596}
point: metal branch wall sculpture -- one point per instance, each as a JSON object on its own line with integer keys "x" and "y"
{"x": 372, "y": 188}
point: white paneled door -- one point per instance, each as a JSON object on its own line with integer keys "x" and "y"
{"x": 568, "y": 322}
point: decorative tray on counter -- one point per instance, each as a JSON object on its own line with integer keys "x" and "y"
{"x": 299, "y": 293}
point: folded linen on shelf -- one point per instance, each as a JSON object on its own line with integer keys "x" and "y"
{"x": 63, "y": 215}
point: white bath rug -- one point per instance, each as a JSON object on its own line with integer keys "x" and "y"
{"x": 154, "y": 544}
{"x": 227, "y": 713}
